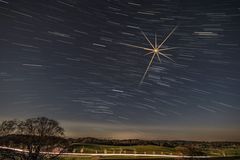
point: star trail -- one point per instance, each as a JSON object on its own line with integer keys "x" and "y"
{"x": 64, "y": 59}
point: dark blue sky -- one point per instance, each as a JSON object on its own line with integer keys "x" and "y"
{"x": 63, "y": 59}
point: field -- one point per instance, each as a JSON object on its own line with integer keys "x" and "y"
{"x": 153, "y": 149}
{"x": 139, "y": 149}
{"x": 228, "y": 153}
{"x": 80, "y": 151}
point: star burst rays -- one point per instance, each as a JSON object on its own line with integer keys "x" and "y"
{"x": 156, "y": 50}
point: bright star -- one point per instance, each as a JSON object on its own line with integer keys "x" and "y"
{"x": 155, "y": 50}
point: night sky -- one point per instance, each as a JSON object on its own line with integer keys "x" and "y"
{"x": 64, "y": 59}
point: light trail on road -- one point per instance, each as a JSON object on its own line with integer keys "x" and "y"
{"x": 111, "y": 154}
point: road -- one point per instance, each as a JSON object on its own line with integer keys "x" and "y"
{"x": 110, "y": 154}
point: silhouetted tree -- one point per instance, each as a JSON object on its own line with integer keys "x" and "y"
{"x": 33, "y": 134}
{"x": 8, "y": 127}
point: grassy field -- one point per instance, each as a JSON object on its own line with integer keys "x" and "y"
{"x": 152, "y": 149}
{"x": 148, "y": 149}
{"x": 140, "y": 149}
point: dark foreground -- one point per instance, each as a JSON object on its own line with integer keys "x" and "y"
{"x": 220, "y": 158}
{"x": 146, "y": 158}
